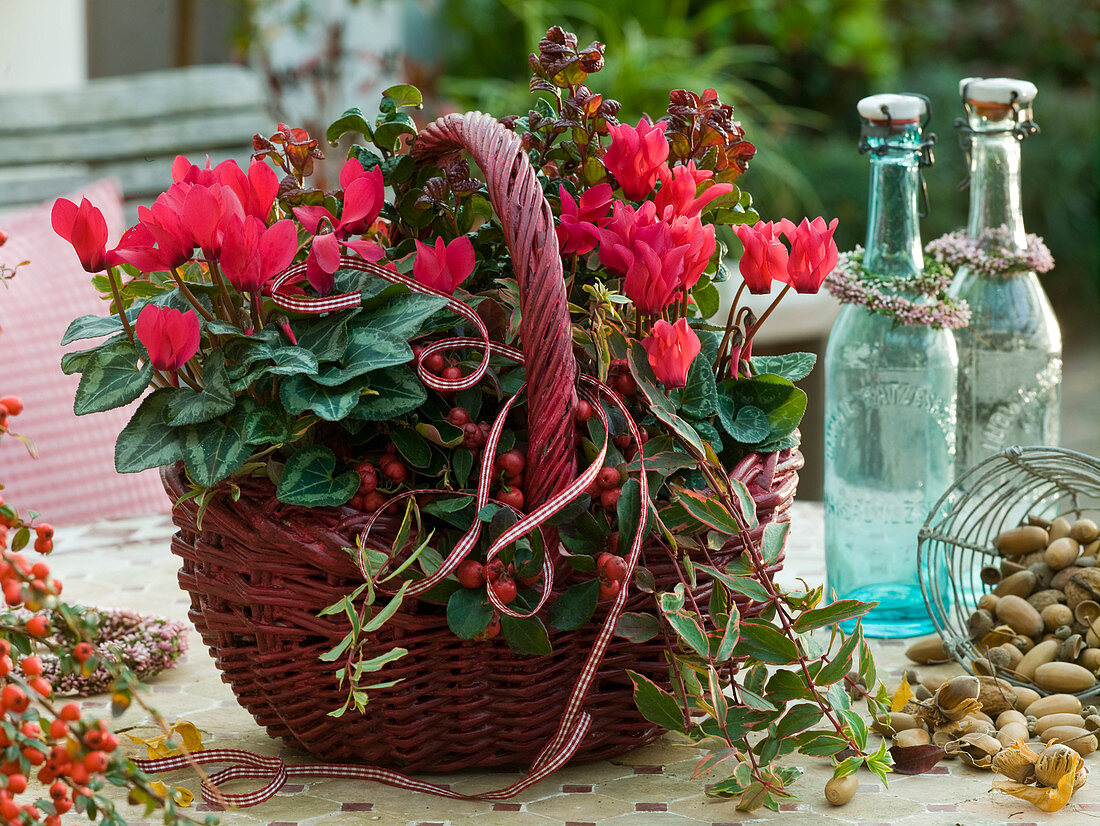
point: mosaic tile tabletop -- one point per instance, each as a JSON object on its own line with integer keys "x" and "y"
{"x": 127, "y": 563}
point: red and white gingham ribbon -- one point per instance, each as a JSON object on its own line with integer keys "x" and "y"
{"x": 575, "y": 721}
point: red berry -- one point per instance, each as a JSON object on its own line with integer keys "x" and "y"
{"x": 610, "y": 498}
{"x": 14, "y": 404}
{"x": 373, "y": 502}
{"x": 96, "y": 762}
{"x": 5, "y": 665}
{"x": 504, "y": 589}
{"x": 43, "y": 546}
{"x": 40, "y": 570}
{"x": 434, "y": 362}
{"x": 609, "y": 478}
{"x": 69, "y": 712}
{"x": 458, "y": 416}
{"x": 491, "y": 630}
{"x": 82, "y": 652}
{"x": 513, "y": 497}
{"x": 610, "y": 589}
{"x": 626, "y": 385}
{"x": 15, "y": 698}
{"x": 9, "y": 809}
{"x": 17, "y": 784}
{"x": 59, "y": 729}
{"x": 41, "y": 686}
{"x": 59, "y": 790}
{"x": 470, "y": 573}
{"x": 494, "y": 570}
{"x": 621, "y": 442}
{"x": 368, "y": 477}
{"x": 79, "y": 774}
{"x": 34, "y": 756}
{"x": 396, "y": 472}
{"x": 451, "y": 373}
{"x": 32, "y": 666}
{"x": 44, "y": 531}
{"x": 583, "y": 411}
{"x": 511, "y": 462}
{"x": 13, "y": 593}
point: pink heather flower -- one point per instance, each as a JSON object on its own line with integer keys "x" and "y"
{"x": 679, "y": 185}
{"x": 813, "y": 253}
{"x": 85, "y": 228}
{"x": 444, "y": 266}
{"x": 576, "y": 230}
{"x": 765, "y": 257}
{"x": 671, "y": 348}
{"x": 635, "y": 157}
{"x": 170, "y": 336}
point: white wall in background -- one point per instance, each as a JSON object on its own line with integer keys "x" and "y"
{"x": 43, "y": 44}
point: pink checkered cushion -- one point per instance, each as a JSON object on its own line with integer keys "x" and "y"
{"x": 74, "y": 479}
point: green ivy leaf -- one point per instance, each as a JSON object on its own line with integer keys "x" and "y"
{"x": 656, "y": 704}
{"x": 146, "y": 442}
{"x": 526, "y": 635}
{"x": 308, "y": 479}
{"x": 575, "y": 607}
{"x": 468, "y": 612}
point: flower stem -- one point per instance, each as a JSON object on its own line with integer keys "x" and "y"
{"x": 721, "y": 357}
{"x": 752, "y": 331}
{"x": 118, "y": 305}
{"x": 205, "y": 313}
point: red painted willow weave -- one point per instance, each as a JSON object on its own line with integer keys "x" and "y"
{"x": 259, "y": 572}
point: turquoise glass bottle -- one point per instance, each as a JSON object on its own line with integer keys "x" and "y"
{"x": 1010, "y": 355}
{"x": 890, "y": 395}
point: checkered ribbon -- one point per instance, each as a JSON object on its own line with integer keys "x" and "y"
{"x": 575, "y": 721}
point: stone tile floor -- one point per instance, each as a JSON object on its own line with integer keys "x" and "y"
{"x": 127, "y": 563}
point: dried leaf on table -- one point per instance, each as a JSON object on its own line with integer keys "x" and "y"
{"x": 916, "y": 759}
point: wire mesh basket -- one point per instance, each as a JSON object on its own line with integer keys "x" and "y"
{"x": 957, "y": 539}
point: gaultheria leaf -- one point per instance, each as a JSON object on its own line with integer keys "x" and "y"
{"x": 525, "y": 635}
{"x": 637, "y": 627}
{"x": 575, "y": 607}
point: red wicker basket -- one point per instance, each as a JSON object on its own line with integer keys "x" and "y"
{"x": 259, "y": 572}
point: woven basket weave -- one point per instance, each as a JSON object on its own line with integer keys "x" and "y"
{"x": 259, "y": 571}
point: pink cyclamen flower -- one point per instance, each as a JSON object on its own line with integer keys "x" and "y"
{"x": 162, "y": 224}
{"x": 444, "y": 266}
{"x": 655, "y": 270}
{"x": 765, "y": 257}
{"x": 170, "y": 336}
{"x": 699, "y": 243}
{"x": 679, "y": 185}
{"x": 253, "y": 254}
{"x": 576, "y": 230}
{"x": 636, "y": 156}
{"x": 813, "y": 253}
{"x": 364, "y": 194}
{"x": 85, "y": 228}
{"x": 671, "y": 348}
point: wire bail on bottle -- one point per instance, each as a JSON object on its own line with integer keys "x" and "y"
{"x": 1021, "y": 113}
{"x": 890, "y": 125}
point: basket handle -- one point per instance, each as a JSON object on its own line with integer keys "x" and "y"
{"x": 545, "y": 329}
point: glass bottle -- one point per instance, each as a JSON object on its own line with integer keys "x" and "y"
{"x": 1010, "y": 356}
{"x": 890, "y": 395}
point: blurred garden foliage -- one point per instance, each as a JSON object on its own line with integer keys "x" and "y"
{"x": 795, "y": 71}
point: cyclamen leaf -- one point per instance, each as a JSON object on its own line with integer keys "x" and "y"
{"x": 791, "y": 366}
{"x": 216, "y": 398}
{"x": 112, "y": 383}
{"x": 146, "y": 442}
{"x": 308, "y": 479}
{"x": 397, "y": 391}
{"x": 213, "y": 450}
